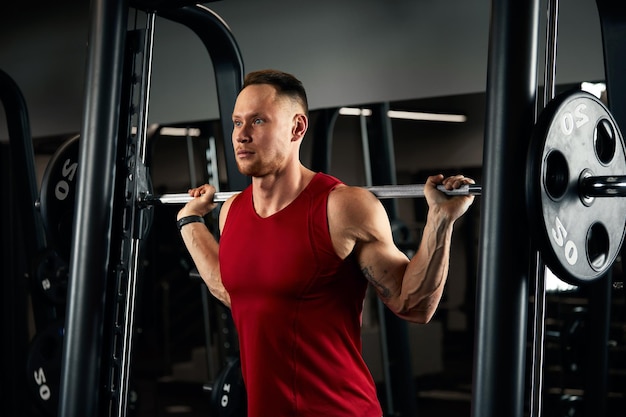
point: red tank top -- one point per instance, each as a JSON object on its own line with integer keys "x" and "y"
{"x": 297, "y": 309}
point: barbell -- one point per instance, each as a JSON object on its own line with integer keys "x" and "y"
{"x": 380, "y": 191}
{"x": 575, "y": 166}
{"x": 589, "y": 187}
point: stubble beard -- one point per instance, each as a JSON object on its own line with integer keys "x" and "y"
{"x": 251, "y": 169}
{"x": 257, "y": 168}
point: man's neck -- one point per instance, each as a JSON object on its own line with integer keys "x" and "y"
{"x": 273, "y": 193}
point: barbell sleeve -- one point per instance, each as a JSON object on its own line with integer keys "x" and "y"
{"x": 380, "y": 191}
{"x": 603, "y": 186}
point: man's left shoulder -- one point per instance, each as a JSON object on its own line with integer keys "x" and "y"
{"x": 346, "y": 196}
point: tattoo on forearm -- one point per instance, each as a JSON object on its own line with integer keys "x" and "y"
{"x": 381, "y": 289}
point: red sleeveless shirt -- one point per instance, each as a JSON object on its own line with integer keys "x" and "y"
{"x": 297, "y": 309}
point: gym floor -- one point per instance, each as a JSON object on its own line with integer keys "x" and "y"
{"x": 181, "y": 393}
{"x": 187, "y": 399}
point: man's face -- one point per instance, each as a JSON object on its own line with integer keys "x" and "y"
{"x": 263, "y": 125}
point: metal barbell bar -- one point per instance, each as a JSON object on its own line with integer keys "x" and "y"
{"x": 603, "y": 186}
{"x": 600, "y": 186}
{"x": 380, "y": 191}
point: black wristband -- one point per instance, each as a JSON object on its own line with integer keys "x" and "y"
{"x": 188, "y": 219}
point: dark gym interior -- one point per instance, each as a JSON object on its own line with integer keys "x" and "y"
{"x": 509, "y": 338}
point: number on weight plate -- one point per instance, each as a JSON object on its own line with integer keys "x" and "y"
{"x": 578, "y": 119}
{"x": 40, "y": 379}
{"x": 559, "y": 235}
{"x": 62, "y": 188}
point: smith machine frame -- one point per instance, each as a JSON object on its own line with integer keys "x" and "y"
{"x": 99, "y": 315}
{"x": 107, "y": 224}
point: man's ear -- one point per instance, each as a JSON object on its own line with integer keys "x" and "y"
{"x": 300, "y": 126}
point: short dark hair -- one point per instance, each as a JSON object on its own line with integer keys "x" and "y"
{"x": 286, "y": 84}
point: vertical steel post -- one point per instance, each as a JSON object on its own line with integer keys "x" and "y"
{"x": 502, "y": 287}
{"x": 80, "y": 377}
{"x": 26, "y": 237}
{"x": 323, "y": 139}
{"x": 613, "y": 26}
{"x": 539, "y": 304}
{"x": 13, "y": 293}
{"x": 23, "y": 160}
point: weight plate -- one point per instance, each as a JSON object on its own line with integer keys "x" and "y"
{"x": 44, "y": 368}
{"x": 228, "y": 395}
{"x": 579, "y": 237}
{"x": 50, "y": 274}
{"x": 58, "y": 194}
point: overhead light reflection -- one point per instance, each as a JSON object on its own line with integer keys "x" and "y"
{"x": 594, "y": 88}
{"x": 435, "y": 117}
{"x": 407, "y": 115}
{"x": 353, "y": 111}
{"x": 180, "y": 131}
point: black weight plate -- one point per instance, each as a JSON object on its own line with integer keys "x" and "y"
{"x": 575, "y": 136}
{"x": 43, "y": 368}
{"x": 58, "y": 195}
{"x": 228, "y": 395}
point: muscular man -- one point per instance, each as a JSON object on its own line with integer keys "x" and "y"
{"x": 296, "y": 252}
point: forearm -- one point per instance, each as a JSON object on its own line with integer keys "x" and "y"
{"x": 427, "y": 272}
{"x": 204, "y": 251}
